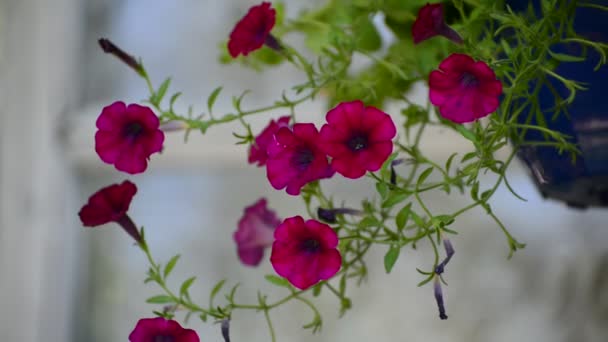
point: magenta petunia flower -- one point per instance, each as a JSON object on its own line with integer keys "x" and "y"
{"x": 160, "y": 329}
{"x": 305, "y": 252}
{"x": 257, "y": 152}
{"x": 358, "y": 138}
{"x": 295, "y": 159}
{"x": 127, "y": 136}
{"x": 253, "y": 31}
{"x": 110, "y": 204}
{"x": 464, "y": 90}
{"x": 430, "y": 22}
{"x": 255, "y": 232}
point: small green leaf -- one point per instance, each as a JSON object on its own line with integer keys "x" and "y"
{"x": 402, "y": 216}
{"x": 183, "y": 290}
{"x": 448, "y": 164}
{"x": 212, "y": 98}
{"x": 369, "y": 221}
{"x": 160, "y": 299}
{"x": 174, "y": 98}
{"x": 170, "y": 265}
{"x": 316, "y": 290}
{"x": 467, "y": 133}
{"x": 160, "y": 93}
{"x": 278, "y": 281}
{"x": 382, "y": 189}
{"x": 391, "y": 257}
{"x": 562, "y": 57}
{"x": 423, "y": 176}
{"x": 395, "y": 197}
{"x": 216, "y": 289}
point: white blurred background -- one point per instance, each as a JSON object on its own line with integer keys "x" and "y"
{"x": 62, "y": 282}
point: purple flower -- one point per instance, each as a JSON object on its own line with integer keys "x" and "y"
{"x": 161, "y": 330}
{"x": 258, "y": 151}
{"x": 255, "y": 232}
{"x": 430, "y": 22}
{"x": 439, "y": 298}
{"x": 305, "y": 252}
{"x": 295, "y": 158}
{"x": 253, "y": 31}
{"x": 110, "y": 204}
{"x": 357, "y": 138}
{"x": 127, "y": 136}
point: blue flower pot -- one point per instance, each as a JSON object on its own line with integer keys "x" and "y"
{"x": 582, "y": 183}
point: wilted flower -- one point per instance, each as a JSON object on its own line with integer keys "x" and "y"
{"x": 253, "y": 31}
{"x": 329, "y": 215}
{"x": 439, "y": 298}
{"x": 464, "y": 90}
{"x": 160, "y": 329}
{"x": 295, "y": 158}
{"x": 110, "y": 204}
{"x": 358, "y": 138}
{"x": 127, "y": 136}
{"x": 108, "y": 47}
{"x": 257, "y": 152}
{"x": 255, "y": 232}
{"x": 430, "y": 22}
{"x": 305, "y": 252}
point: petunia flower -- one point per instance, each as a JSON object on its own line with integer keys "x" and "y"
{"x": 463, "y": 89}
{"x": 253, "y": 31}
{"x": 110, "y": 204}
{"x": 295, "y": 159}
{"x": 127, "y": 136}
{"x": 430, "y": 22}
{"x": 160, "y": 329}
{"x": 305, "y": 252}
{"x": 358, "y": 138}
{"x": 255, "y": 232}
{"x": 257, "y": 152}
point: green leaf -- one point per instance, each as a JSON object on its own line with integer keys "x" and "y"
{"x": 278, "y": 281}
{"x": 212, "y": 98}
{"x": 316, "y": 290}
{"x": 160, "y": 299}
{"x": 170, "y": 265}
{"x": 382, "y": 189}
{"x": 391, "y": 257}
{"x": 160, "y": 93}
{"x": 562, "y": 57}
{"x": 367, "y": 37}
{"x": 216, "y": 289}
{"x": 174, "y": 98}
{"x": 395, "y": 197}
{"x": 183, "y": 290}
{"x": 369, "y": 221}
{"x": 402, "y": 216}
{"x": 467, "y": 134}
{"x": 423, "y": 176}
{"x": 448, "y": 163}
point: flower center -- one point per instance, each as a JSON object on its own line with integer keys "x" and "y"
{"x": 310, "y": 245}
{"x": 133, "y": 130}
{"x": 164, "y": 338}
{"x": 302, "y": 158}
{"x": 357, "y": 143}
{"x": 468, "y": 80}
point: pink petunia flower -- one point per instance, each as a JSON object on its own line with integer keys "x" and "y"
{"x": 110, "y": 204}
{"x": 257, "y": 152}
{"x": 127, "y": 136}
{"x": 430, "y": 23}
{"x": 463, "y": 89}
{"x": 255, "y": 232}
{"x": 305, "y": 252}
{"x": 295, "y": 159}
{"x": 358, "y": 138}
{"x": 253, "y": 31}
{"x": 160, "y": 329}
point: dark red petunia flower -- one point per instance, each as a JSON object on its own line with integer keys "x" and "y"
{"x": 358, "y": 138}
{"x": 464, "y": 90}
{"x": 110, "y": 204}
{"x": 305, "y": 252}
{"x": 253, "y": 31}
{"x": 257, "y": 152}
{"x": 160, "y": 329}
{"x": 430, "y": 23}
{"x": 127, "y": 136}
{"x": 295, "y": 159}
{"x": 255, "y": 232}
